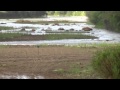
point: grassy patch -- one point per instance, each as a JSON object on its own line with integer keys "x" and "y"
{"x": 83, "y": 72}
{"x": 5, "y": 28}
{"x": 107, "y": 62}
{"x": 9, "y": 35}
{"x": 3, "y": 46}
{"x": 67, "y": 36}
{"x": 78, "y": 71}
{"x": 21, "y": 37}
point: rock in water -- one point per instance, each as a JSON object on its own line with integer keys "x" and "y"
{"x": 87, "y": 29}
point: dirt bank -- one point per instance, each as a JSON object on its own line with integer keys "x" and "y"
{"x": 43, "y": 61}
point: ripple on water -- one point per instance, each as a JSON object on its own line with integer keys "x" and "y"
{"x": 103, "y": 35}
{"x": 20, "y": 77}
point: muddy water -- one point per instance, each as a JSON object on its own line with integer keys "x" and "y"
{"x": 103, "y": 35}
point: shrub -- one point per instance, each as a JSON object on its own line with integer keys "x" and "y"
{"x": 107, "y": 62}
{"x": 109, "y": 20}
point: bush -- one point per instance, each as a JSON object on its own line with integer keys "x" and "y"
{"x": 107, "y": 62}
{"x": 109, "y": 20}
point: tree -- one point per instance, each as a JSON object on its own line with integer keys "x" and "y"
{"x": 109, "y": 20}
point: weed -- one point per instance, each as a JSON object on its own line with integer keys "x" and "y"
{"x": 107, "y": 62}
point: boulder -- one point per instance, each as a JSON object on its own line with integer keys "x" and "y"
{"x": 67, "y": 30}
{"x": 33, "y": 30}
{"x": 71, "y": 29}
{"x": 87, "y": 29}
{"x": 55, "y": 24}
{"x": 107, "y": 40}
{"x": 61, "y": 29}
{"x": 43, "y": 29}
{"x": 3, "y": 23}
{"x": 46, "y": 24}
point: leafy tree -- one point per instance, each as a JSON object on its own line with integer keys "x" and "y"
{"x": 109, "y": 20}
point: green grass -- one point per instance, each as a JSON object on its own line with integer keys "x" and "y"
{"x": 9, "y": 35}
{"x": 107, "y": 62}
{"x": 78, "y": 71}
{"x": 5, "y": 36}
{"x": 83, "y": 72}
{"x": 5, "y": 28}
{"x": 3, "y": 46}
{"x": 67, "y": 36}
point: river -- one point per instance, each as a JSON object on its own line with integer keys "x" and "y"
{"x": 103, "y": 35}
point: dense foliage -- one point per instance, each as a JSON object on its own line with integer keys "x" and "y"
{"x": 109, "y": 20}
{"x": 107, "y": 62}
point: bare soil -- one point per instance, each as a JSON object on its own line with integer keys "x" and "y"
{"x": 44, "y": 60}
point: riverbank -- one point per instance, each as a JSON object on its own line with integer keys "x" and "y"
{"x": 48, "y": 62}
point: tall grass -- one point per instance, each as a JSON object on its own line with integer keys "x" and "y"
{"x": 107, "y": 62}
